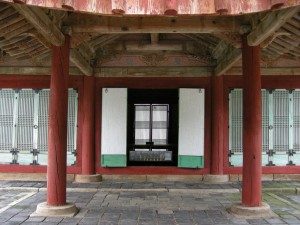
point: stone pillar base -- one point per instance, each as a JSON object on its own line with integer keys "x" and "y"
{"x": 251, "y": 212}
{"x": 211, "y": 178}
{"x": 45, "y": 210}
{"x": 83, "y": 178}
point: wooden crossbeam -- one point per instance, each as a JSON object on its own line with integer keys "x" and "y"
{"x": 145, "y": 46}
{"x": 33, "y": 70}
{"x": 42, "y": 23}
{"x": 80, "y": 62}
{"x": 269, "y": 24}
{"x": 49, "y": 34}
{"x": 152, "y": 24}
{"x": 227, "y": 59}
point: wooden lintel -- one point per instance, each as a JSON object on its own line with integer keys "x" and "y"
{"x": 269, "y": 24}
{"x": 279, "y": 71}
{"x": 42, "y": 23}
{"x": 144, "y": 46}
{"x": 229, "y": 57}
{"x": 154, "y": 72}
{"x": 80, "y": 62}
{"x": 152, "y": 24}
{"x": 14, "y": 70}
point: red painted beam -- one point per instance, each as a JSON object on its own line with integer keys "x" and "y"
{"x": 58, "y": 116}
{"x": 252, "y": 126}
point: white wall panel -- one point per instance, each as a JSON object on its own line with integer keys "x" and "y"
{"x": 191, "y": 122}
{"x": 114, "y": 121}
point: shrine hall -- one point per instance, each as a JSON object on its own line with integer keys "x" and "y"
{"x": 207, "y": 90}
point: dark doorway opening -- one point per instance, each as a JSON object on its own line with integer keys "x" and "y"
{"x": 152, "y": 133}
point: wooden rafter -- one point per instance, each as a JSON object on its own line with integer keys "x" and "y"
{"x": 100, "y": 41}
{"x": 49, "y": 34}
{"x": 227, "y": 59}
{"x": 199, "y": 40}
{"x": 42, "y": 23}
{"x": 80, "y": 62}
{"x": 269, "y": 24}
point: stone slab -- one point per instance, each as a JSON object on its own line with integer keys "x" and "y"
{"x": 286, "y": 177}
{"x": 233, "y": 177}
{"x": 211, "y": 178}
{"x": 174, "y": 178}
{"x": 120, "y": 178}
{"x": 83, "y": 178}
{"x": 30, "y": 176}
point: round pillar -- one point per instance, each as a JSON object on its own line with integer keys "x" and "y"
{"x": 88, "y": 131}
{"x": 56, "y": 204}
{"x": 88, "y": 159}
{"x": 57, "y": 131}
{"x": 252, "y": 126}
{"x": 217, "y": 162}
{"x": 217, "y": 125}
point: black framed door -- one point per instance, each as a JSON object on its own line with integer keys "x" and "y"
{"x": 152, "y": 127}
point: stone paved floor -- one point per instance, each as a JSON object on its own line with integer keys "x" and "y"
{"x": 159, "y": 206}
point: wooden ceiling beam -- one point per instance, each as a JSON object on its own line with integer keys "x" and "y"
{"x": 199, "y": 41}
{"x": 105, "y": 41}
{"x": 47, "y": 33}
{"x": 15, "y": 70}
{"x": 80, "y": 62}
{"x": 42, "y": 23}
{"x": 145, "y": 46}
{"x": 269, "y": 24}
{"x": 226, "y": 60}
{"x": 152, "y": 24}
{"x": 154, "y": 38}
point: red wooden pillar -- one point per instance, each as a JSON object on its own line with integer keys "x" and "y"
{"x": 252, "y": 130}
{"x": 57, "y": 137}
{"x": 88, "y": 159}
{"x": 217, "y": 126}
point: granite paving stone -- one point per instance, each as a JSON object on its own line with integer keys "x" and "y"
{"x": 118, "y": 206}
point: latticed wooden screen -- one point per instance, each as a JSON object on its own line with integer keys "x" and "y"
{"x": 280, "y": 127}
{"x": 24, "y": 126}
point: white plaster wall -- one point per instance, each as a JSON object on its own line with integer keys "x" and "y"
{"x": 114, "y": 121}
{"x": 191, "y": 122}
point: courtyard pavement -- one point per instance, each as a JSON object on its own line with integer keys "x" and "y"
{"x": 147, "y": 203}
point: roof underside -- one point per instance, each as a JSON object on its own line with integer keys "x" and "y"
{"x": 161, "y": 7}
{"x": 212, "y": 42}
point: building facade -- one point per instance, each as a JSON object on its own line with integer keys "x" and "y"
{"x": 150, "y": 88}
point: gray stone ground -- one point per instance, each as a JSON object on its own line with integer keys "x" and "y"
{"x": 110, "y": 203}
